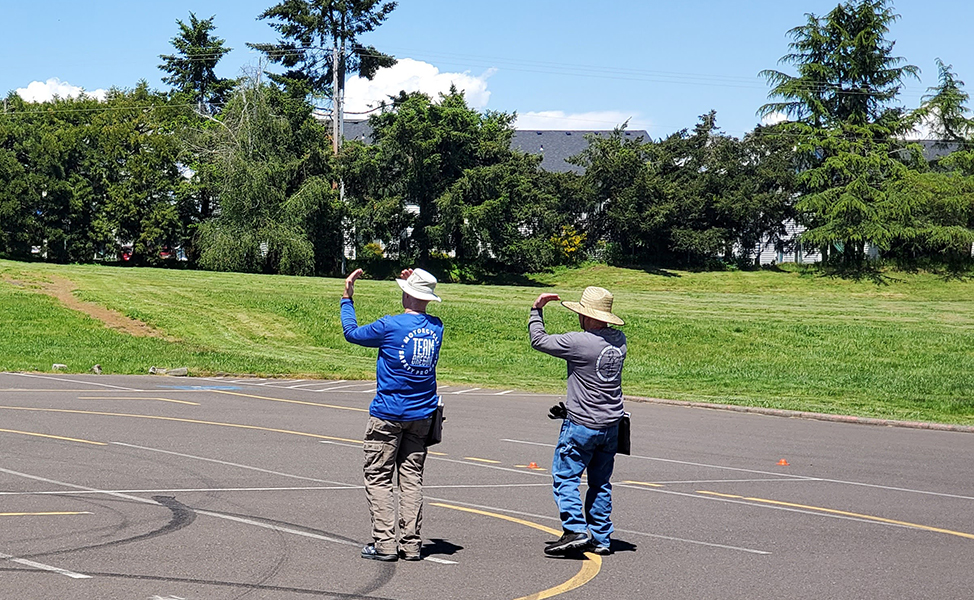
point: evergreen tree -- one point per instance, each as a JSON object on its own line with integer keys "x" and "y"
{"x": 192, "y": 69}
{"x": 632, "y": 200}
{"x": 944, "y": 108}
{"x": 312, "y": 31}
{"x": 421, "y": 148}
{"x": 847, "y": 72}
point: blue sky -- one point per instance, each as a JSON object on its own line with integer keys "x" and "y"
{"x": 559, "y": 65}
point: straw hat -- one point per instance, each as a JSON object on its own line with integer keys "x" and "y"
{"x": 596, "y": 303}
{"x": 420, "y": 285}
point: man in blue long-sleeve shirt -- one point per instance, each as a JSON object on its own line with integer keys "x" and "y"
{"x": 401, "y": 412}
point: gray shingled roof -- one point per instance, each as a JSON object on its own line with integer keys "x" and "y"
{"x": 937, "y": 149}
{"x": 554, "y": 146}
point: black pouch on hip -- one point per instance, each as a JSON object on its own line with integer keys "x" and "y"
{"x": 625, "y": 435}
{"x": 435, "y": 436}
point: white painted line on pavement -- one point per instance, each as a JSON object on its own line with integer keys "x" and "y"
{"x": 117, "y": 387}
{"x": 504, "y": 392}
{"x": 768, "y": 480}
{"x": 465, "y": 391}
{"x": 312, "y": 488}
{"x": 43, "y": 567}
{"x": 642, "y": 533}
{"x": 201, "y": 512}
{"x": 292, "y": 387}
{"x": 276, "y": 527}
{"x": 484, "y": 486}
{"x": 683, "y": 462}
{"x": 341, "y": 387}
{"x": 228, "y": 464}
{"x": 268, "y": 526}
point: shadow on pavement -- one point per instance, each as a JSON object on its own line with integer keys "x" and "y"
{"x": 437, "y": 546}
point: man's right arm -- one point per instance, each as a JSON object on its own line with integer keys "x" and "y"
{"x": 370, "y": 335}
{"x": 559, "y": 346}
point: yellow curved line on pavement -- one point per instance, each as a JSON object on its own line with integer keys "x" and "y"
{"x": 365, "y": 410}
{"x": 53, "y": 437}
{"x": 590, "y": 567}
{"x": 178, "y": 420}
{"x": 845, "y": 514}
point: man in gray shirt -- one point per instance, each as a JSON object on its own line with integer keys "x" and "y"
{"x": 590, "y": 431}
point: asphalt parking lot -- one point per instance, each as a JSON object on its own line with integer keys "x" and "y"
{"x": 151, "y": 487}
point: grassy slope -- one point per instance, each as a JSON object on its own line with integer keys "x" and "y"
{"x": 901, "y": 350}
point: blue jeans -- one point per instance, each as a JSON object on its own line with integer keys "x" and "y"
{"x": 580, "y": 448}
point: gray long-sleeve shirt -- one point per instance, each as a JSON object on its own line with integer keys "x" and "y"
{"x": 595, "y": 360}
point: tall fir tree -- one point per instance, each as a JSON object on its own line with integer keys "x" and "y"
{"x": 192, "y": 70}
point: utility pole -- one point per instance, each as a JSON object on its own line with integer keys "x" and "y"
{"x": 336, "y": 97}
{"x": 338, "y": 125}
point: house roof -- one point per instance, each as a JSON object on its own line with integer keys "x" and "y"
{"x": 937, "y": 149}
{"x": 555, "y": 146}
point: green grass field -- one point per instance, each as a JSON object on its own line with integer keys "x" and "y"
{"x": 903, "y": 349}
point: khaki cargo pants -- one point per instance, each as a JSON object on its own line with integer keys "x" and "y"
{"x": 395, "y": 448}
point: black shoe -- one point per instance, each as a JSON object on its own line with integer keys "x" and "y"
{"x": 600, "y": 550}
{"x": 569, "y": 541}
{"x": 410, "y": 557}
{"x": 370, "y": 553}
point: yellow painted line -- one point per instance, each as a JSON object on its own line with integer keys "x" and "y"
{"x": 590, "y": 568}
{"x": 136, "y": 398}
{"x": 175, "y": 419}
{"x": 833, "y": 511}
{"x": 54, "y": 437}
{"x": 437, "y": 453}
{"x": 643, "y": 483}
{"x": 365, "y": 410}
{"x": 530, "y": 467}
{"x": 483, "y": 460}
{"x": 42, "y": 514}
{"x": 719, "y": 495}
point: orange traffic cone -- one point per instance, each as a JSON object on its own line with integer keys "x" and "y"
{"x": 783, "y": 463}
{"x": 532, "y": 465}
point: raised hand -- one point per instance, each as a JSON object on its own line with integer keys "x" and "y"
{"x": 545, "y": 299}
{"x": 350, "y": 282}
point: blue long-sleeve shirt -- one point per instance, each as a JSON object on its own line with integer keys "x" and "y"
{"x": 405, "y": 371}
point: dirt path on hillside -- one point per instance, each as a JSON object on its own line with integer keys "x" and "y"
{"x": 62, "y": 289}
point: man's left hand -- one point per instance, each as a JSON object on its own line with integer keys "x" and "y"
{"x": 558, "y": 411}
{"x": 545, "y": 299}
{"x": 350, "y": 283}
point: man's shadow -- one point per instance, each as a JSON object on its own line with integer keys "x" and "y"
{"x": 614, "y": 547}
{"x": 437, "y": 546}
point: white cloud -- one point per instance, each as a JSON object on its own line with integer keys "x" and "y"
{"x": 411, "y": 75}
{"x": 45, "y": 91}
{"x": 414, "y": 76}
{"x": 600, "y": 120}
{"x": 774, "y": 118}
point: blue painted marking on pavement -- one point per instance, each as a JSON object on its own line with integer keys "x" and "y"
{"x": 201, "y": 387}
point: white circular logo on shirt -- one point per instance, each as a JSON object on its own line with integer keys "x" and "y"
{"x": 419, "y": 351}
{"x": 609, "y": 365}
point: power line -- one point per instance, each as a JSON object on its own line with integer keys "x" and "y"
{"x": 604, "y": 72}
